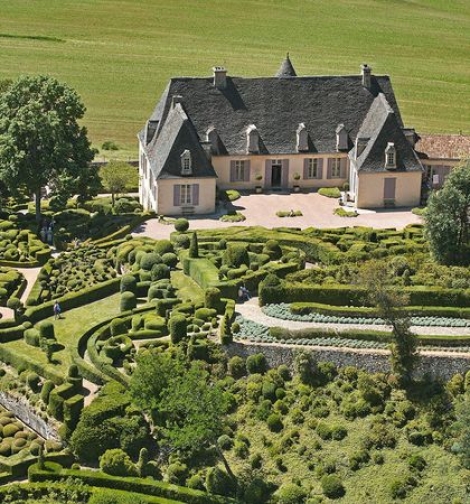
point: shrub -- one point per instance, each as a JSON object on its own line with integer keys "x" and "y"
{"x": 193, "y": 247}
{"x": 128, "y": 301}
{"x": 417, "y": 463}
{"x": 170, "y": 259}
{"x": 176, "y": 473}
{"x": 273, "y": 250}
{"x": 46, "y": 330}
{"x": 212, "y": 298}
{"x": 274, "y": 423}
{"x": 324, "y": 431}
{"x": 181, "y": 225}
{"x": 149, "y": 259}
{"x": 291, "y": 494}
{"x": 236, "y": 367}
{"x": 178, "y": 328}
{"x": 109, "y": 145}
{"x": 235, "y": 255}
{"x": 225, "y": 442}
{"x": 128, "y": 283}
{"x": 332, "y": 486}
{"x": 46, "y": 390}
{"x": 159, "y": 272}
{"x": 256, "y": 364}
{"x": 118, "y": 326}
{"x": 219, "y": 482}
{"x": 117, "y": 462}
{"x": 329, "y": 192}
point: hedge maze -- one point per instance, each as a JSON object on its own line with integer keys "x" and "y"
{"x": 127, "y": 297}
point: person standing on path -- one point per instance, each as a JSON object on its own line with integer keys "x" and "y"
{"x": 57, "y": 310}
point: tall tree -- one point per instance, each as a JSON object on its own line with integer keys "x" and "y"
{"x": 390, "y": 301}
{"x": 40, "y": 138}
{"x": 117, "y": 176}
{"x": 447, "y": 219}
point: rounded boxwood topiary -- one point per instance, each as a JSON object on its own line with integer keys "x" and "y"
{"x": 170, "y": 259}
{"x": 159, "y": 272}
{"x": 236, "y": 367}
{"x": 332, "y": 486}
{"x": 128, "y": 301}
{"x": 291, "y": 494}
{"x": 181, "y": 225}
{"x": 256, "y": 363}
{"x": 128, "y": 283}
{"x": 274, "y": 423}
{"x": 46, "y": 330}
{"x": 163, "y": 246}
{"x": 149, "y": 259}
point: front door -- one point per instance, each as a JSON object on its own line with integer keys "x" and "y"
{"x": 389, "y": 191}
{"x": 276, "y": 175}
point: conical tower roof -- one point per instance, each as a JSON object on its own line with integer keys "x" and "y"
{"x": 286, "y": 69}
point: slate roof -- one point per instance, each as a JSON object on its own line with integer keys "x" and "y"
{"x": 275, "y": 106}
{"x": 165, "y": 149}
{"x": 381, "y": 127}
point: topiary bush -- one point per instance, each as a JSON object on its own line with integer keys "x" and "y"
{"x": 181, "y": 225}
{"x": 129, "y": 283}
{"x": 256, "y": 364}
{"x": 117, "y": 462}
{"x": 274, "y": 423}
{"x": 128, "y": 301}
{"x": 290, "y": 493}
{"x": 178, "y": 328}
{"x": 332, "y": 486}
{"x": 219, "y": 482}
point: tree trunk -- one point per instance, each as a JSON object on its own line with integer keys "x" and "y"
{"x": 37, "y": 197}
{"x": 224, "y": 461}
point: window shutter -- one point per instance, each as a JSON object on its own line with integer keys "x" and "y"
{"x": 285, "y": 172}
{"x": 176, "y": 195}
{"x": 306, "y": 163}
{"x": 232, "y": 171}
{"x": 195, "y": 189}
{"x": 330, "y": 167}
{"x": 320, "y": 168}
{"x": 343, "y": 167}
{"x": 268, "y": 172}
{"x": 247, "y": 171}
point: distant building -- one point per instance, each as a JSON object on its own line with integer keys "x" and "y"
{"x": 278, "y": 133}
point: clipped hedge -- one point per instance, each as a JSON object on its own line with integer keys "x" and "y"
{"x": 144, "y": 486}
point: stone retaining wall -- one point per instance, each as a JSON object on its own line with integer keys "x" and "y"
{"x": 23, "y": 412}
{"x": 438, "y": 366}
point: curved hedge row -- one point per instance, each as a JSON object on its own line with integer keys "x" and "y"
{"x": 54, "y": 472}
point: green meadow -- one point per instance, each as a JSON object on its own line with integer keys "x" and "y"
{"x": 119, "y": 54}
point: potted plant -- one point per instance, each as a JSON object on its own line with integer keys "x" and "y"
{"x": 258, "y": 186}
{"x": 296, "y": 185}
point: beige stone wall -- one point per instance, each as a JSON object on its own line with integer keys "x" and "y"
{"x": 370, "y": 189}
{"x": 165, "y": 191}
{"x": 221, "y": 165}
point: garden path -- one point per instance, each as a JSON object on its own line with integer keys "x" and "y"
{"x": 30, "y": 275}
{"x": 252, "y": 311}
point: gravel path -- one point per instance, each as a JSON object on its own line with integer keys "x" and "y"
{"x": 30, "y": 274}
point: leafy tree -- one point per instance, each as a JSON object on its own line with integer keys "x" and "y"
{"x": 188, "y": 407}
{"x": 41, "y": 141}
{"x": 447, "y": 221}
{"x": 117, "y": 176}
{"x": 461, "y": 429}
{"x": 390, "y": 302}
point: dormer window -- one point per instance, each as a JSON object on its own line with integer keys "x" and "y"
{"x": 341, "y": 138}
{"x": 252, "y": 139}
{"x": 186, "y": 165}
{"x": 302, "y": 138}
{"x": 390, "y": 156}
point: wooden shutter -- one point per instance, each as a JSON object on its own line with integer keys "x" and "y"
{"x": 343, "y": 166}
{"x": 285, "y": 173}
{"x": 330, "y": 167}
{"x": 389, "y": 188}
{"x": 306, "y": 163}
{"x": 268, "y": 173}
{"x": 195, "y": 195}
{"x": 247, "y": 171}
{"x": 232, "y": 171}
{"x": 176, "y": 195}
{"x": 320, "y": 168}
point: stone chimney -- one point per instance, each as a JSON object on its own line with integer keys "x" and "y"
{"x": 361, "y": 144}
{"x": 220, "y": 77}
{"x": 366, "y": 75}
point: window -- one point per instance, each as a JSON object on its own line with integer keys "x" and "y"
{"x": 186, "y": 168}
{"x": 185, "y": 194}
{"x": 239, "y": 174}
{"x": 312, "y": 168}
{"x": 335, "y": 167}
{"x": 390, "y": 156}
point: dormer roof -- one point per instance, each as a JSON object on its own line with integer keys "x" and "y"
{"x": 286, "y": 69}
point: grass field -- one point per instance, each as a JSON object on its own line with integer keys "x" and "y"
{"x": 119, "y": 54}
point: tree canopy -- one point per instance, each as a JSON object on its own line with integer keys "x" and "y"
{"x": 117, "y": 176}
{"x": 447, "y": 219}
{"x": 41, "y": 141}
{"x": 187, "y": 406}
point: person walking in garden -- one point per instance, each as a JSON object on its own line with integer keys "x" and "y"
{"x": 57, "y": 310}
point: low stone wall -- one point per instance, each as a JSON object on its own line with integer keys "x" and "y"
{"x": 23, "y": 412}
{"x": 438, "y": 366}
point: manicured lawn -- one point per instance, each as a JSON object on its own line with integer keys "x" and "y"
{"x": 120, "y": 55}
{"x": 69, "y": 328}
